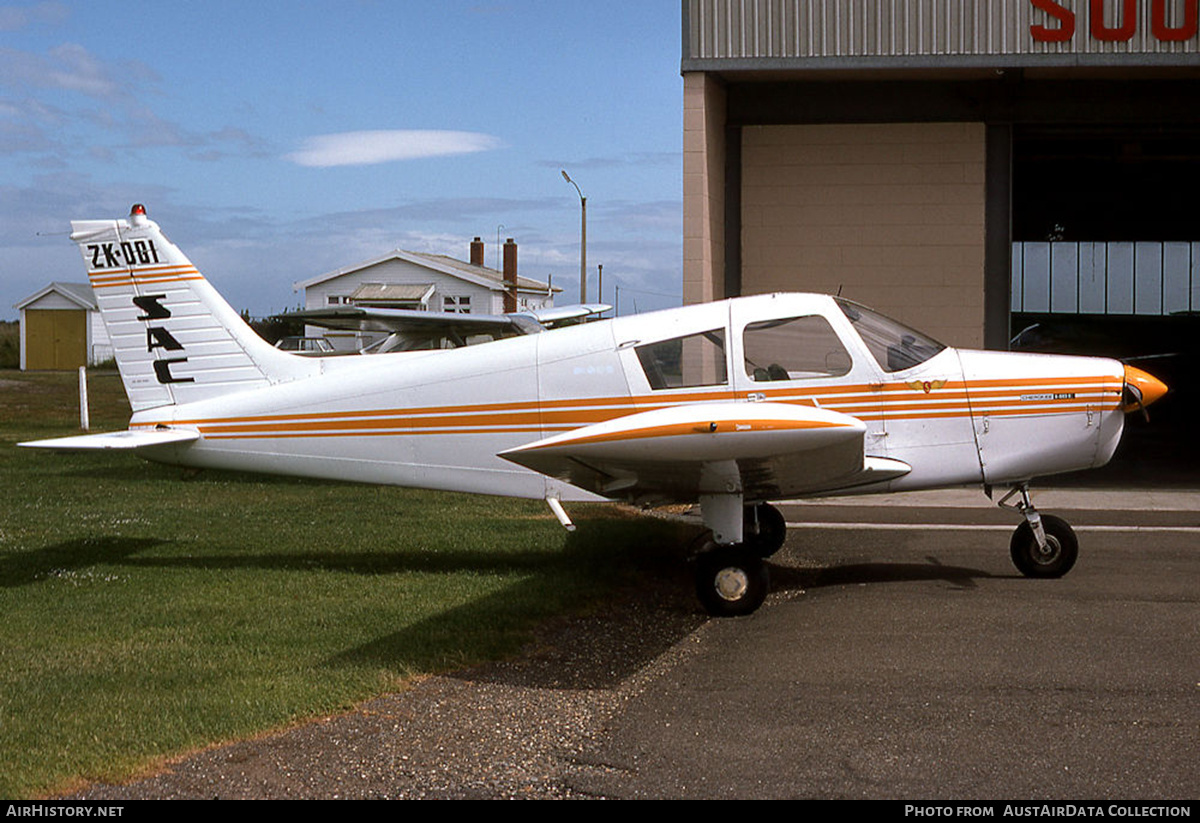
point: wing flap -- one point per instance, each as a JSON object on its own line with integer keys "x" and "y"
{"x": 777, "y": 449}
{"x": 126, "y": 440}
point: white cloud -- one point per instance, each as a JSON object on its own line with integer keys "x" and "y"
{"x": 77, "y": 70}
{"x": 364, "y": 148}
{"x": 16, "y": 17}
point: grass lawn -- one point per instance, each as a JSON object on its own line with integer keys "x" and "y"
{"x": 145, "y": 613}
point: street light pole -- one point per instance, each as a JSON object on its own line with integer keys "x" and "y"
{"x": 582, "y": 238}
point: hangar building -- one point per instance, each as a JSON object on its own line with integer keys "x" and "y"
{"x": 970, "y": 167}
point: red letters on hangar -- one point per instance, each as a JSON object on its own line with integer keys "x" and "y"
{"x": 1061, "y": 24}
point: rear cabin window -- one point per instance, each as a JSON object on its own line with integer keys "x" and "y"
{"x": 793, "y": 348}
{"x": 683, "y": 362}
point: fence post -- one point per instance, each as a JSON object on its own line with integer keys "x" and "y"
{"x": 83, "y": 399}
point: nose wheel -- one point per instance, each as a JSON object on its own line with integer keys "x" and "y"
{"x": 1044, "y": 545}
{"x": 1053, "y": 559}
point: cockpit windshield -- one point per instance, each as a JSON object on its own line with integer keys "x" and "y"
{"x": 895, "y": 346}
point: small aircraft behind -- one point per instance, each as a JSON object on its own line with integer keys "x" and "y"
{"x": 412, "y": 330}
{"x": 729, "y": 405}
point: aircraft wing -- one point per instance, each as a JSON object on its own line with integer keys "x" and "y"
{"x": 132, "y": 439}
{"x": 767, "y": 451}
{"x": 362, "y": 318}
{"x": 564, "y": 314}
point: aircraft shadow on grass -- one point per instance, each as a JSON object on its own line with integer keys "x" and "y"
{"x": 29, "y": 567}
{"x": 646, "y": 614}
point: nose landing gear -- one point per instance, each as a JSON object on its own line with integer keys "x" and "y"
{"x": 1044, "y": 545}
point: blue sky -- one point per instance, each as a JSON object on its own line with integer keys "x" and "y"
{"x": 275, "y": 141}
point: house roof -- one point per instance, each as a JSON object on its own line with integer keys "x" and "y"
{"x": 479, "y": 275}
{"x": 78, "y": 293}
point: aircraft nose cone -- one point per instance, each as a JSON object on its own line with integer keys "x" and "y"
{"x": 1141, "y": 389}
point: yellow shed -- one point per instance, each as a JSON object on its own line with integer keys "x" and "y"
{"x": 61, "y": 328}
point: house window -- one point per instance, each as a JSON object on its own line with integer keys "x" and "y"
{"x": 456, "y": 304}
{"x": 336, "y": 300}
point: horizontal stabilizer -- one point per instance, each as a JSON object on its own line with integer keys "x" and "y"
{"x": 126, "y": 440}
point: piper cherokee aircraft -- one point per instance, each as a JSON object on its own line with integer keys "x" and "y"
{"x": 729, "y": 405}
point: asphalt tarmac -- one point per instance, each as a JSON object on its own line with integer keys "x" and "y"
{"x": 900, "y": 655}
{"x": 899, "y": 659}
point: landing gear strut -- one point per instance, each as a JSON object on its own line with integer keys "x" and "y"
{"x": 1044, "y": 545}
{"x": 764, "y": 529}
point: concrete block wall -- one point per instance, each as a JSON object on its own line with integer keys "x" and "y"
{"x": 703, "y": 189}
{"x": 891, "y": 213}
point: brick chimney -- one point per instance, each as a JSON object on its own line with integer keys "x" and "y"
{"x": 510, "y": 275}
{"x": 476, "y": 252}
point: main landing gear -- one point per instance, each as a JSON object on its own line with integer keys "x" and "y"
{"x": 1044, "y": 545}
{"x": 731, "y": 577}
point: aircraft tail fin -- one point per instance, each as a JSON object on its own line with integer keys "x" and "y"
{"x": 174, "y": 337}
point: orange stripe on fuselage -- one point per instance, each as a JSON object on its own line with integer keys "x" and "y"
{"x": 893, "y": 401}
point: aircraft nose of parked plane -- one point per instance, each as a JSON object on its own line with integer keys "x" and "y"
{"x": 1141, "y": 389}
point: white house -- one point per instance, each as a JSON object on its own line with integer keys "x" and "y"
{"x": 424, "y": 282}
{"x": 61, "y": 328}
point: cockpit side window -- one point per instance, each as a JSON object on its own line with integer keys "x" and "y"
{"x": 682, "y": 362}
{"x": 894, "y": 346}
{"x": 793, "y": 348}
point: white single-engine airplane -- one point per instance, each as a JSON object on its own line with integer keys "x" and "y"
{"x": 729, "y": 404}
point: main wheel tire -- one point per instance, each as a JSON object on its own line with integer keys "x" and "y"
{"x": 731, "y": 580}
{"x": 764, "y": 529}
{"x": 1056, "y": 559}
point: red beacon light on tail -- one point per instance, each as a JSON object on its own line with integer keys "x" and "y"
{"x": 137, "y": 214}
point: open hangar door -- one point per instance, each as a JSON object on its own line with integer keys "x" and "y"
{"x": 1106, "y": 261}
